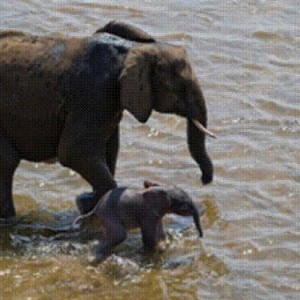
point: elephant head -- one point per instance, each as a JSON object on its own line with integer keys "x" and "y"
{"x": 159, "y": 76}
{"x": 162, "y": 200}
{"x": 183, "y": 205}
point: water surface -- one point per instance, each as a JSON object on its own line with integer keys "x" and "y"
{"x": 247, "y": 57}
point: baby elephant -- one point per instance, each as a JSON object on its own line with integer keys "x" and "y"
{"x": 125, "y": 208}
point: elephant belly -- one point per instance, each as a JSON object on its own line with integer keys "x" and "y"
{"x": 129, "y": 219}
{"x": 34, "y": 139}
{"x": 31, "y": 112}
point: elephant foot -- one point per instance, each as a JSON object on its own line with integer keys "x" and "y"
{"x": 85, "y": 202}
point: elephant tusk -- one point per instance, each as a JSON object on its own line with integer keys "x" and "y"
{"x": 203, "y": 129}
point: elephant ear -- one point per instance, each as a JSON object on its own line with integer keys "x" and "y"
{"x": 157, "y": 201}
{"x": 135, "y": 81}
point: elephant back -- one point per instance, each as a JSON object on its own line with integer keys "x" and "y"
{"x": 127, "y": 32}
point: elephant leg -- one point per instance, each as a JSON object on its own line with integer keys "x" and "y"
{"x": 149, "y": 231}
{"x": 112, "y": 149}
{"x": 160, "y": 236}
{"x": 95, "y": 171}
{"x": 85, "y": 202}
{"x": 9, "y": 160}
{"x": 97, "y": 174}
{"x": 82, "y": 148}
{"x": 115, "y": 234}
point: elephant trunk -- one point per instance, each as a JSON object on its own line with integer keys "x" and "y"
{"x": 197, "y": 222}
{"x": 196, "y": 142}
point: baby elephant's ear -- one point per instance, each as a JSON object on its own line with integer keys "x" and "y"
{"x": 157, "y": 201}
{"x": 148, "y": 183}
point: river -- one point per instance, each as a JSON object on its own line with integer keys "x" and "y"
{"x": 246, "y": 55}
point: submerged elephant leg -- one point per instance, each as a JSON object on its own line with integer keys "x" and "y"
{"x": 85, "y": 202}
{"x": 112, "y": 149}
{"x": 82, "y": 148}
{"x": 149, "y": 233}
{"x": 97, "y": 174}
{"x": 115, "y": 234}
{"x": 160, "y": 236}
{"x": 9, "y": 160}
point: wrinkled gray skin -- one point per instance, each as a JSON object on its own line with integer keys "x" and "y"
{"x": 123, "y": 208}
{"x": 62, "y": 98}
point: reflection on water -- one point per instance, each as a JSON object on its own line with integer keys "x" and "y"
{"x": 246, "y": 55}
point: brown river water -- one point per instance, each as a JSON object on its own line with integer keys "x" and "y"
{"x": 247, "y": 57}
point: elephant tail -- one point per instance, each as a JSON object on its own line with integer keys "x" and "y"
{"x": 81, "y": 220}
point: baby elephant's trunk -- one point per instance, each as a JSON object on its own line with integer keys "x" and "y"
{"x": 197, "y": 222}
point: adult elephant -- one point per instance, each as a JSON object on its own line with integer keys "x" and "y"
{"x": 63, "y": 97}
